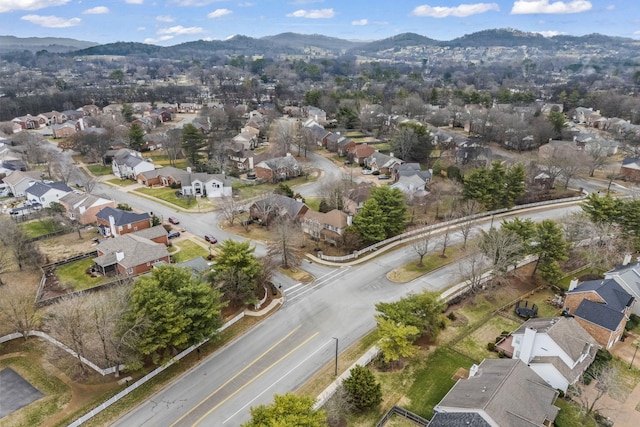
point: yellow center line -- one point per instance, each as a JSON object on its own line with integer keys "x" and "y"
{"x": 254, "y": 378}
{"x": 235, "y": 376}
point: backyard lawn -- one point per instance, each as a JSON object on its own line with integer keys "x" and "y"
{"x": 100, "y": 170}
{"x": 74, "y": 274}
{"x": 37, "y": 228}
{"x": 474, "y": 345}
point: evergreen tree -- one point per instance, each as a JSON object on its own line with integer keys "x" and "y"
{"x": 192, "y": 142}
{"x": 363, "y": 391}
{"x": 236, "y": 270}
{"x": 136, "y": 137}
{"x": 370, "y": 222}
{"x": 394, "y": 210}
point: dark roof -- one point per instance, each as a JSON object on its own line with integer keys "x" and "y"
{"x": 291, "y": 206}
{"x": 458, "y": 419}
{"x": 40, "y": 188}
{"x": 614, "y": 295}
{"x": 599, "y": 314}
{"x": 121, "y": 217}
{"x": 197, "y": 265}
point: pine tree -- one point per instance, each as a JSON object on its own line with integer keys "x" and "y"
{"x": 363, "y": 391}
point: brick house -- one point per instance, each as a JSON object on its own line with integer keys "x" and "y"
{"x": 275, "y": 206}
{"x": 191, "y": 183}
{"x": 131, "y": 254}
{"x": 117, "y": 222}
{"x": 278, "y": 169}
{"x": 64, "y": 130}
{"x": 84, "y": 207}
{"x": 602, "y": 307}
{"x": 630, "y": 169}
{"x": 327, "y": 226}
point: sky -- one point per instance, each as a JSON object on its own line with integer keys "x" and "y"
{"x": 170, "y": 22}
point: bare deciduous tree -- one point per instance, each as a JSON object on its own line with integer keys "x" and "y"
{"x": 284, "y": 134}
{"x": 230, "y": 209}
{"x": 286, "y": 243}
{"x": 67, "y": 321}
{"x": 606, "y": 382}
{"x": 502, "y": 248}
{"x": 472, "y": 269}
{"x": 466, "y": 210}
{"x": 18, "y": 309}
{"x": 421, "y": 246}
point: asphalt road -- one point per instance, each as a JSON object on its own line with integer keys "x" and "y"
{"x": 286, "y": 349}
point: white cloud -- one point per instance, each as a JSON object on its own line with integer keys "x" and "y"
{"x": 460, "y": 11}
{"x": 312, "y": 14}
{"x": 10, "y": 5}
{"x": 298, "y": 2}
{"x": 526, "y": 7}
{"x": 98, "y": 10}
{"x": 193, "y": 3}
{"x": 159, "y": 39}
{"x": 179, "y": 30}
{"x": 141, "y": 28}
{"x": 166, "y": 18}
{"x": 550, "y": 33}
{"x": 246, "y": 4}
{"x": 51, "y": 21}
{"x": 134, "y": 1}
{"x": 360, "y": 22}
{"x": 611, "y": 7}
{"x": 219, "y": 13}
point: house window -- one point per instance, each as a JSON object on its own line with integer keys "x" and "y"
{"x": 148, "y": 264}
{"x": 119, "y": 228}
{"x": 130, "y": 271}
{"x": 129, "y": 226}
{"x": 215, "y": 185}
{"x": 135, "y": 228}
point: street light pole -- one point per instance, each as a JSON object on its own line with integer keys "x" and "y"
{"x": 336, "y": 369}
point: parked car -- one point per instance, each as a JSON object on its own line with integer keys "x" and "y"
{"x": 173, "y": 220}
{"x": 178, "y": 193}
{"x": 367, "y": 171}
{"x": 384, "y": 177}
{"x": 209, "y": 238}
{"x": 173, "y": 234}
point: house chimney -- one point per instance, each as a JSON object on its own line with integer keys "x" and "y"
{"x": 288, "y": 154}
{"x": 627, "y": 259}
{"x": 573, "y": 284}
{"x": 188, "y": 169}
{"x": 391, "y": 154}
{"x": 250, "y": 163}
{"x": 526, "y": 349}
{"x": 349, "y": 219}
{"x": 119, "y": 256}
{"x": 112, "y": 225}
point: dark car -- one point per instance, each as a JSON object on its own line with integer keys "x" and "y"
{"x": 384, "y": 177}
{"x": 209, "y": 238}
{"x": 173, "y": 220}
{"x": 173, "y": 234}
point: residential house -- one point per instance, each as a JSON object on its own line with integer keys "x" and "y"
{"x": 381, "y": 162}
{"x": 239, "y": 159}
{"x": 45, "y": 194}
{"x": 117, "y": 222}
{"x": 354, "y": 198}
{"x": 315, "y": 113}
{"x": 327, "y": 226}
{"x": 73, "y": 115}
{"x": 331, "y": 141}
{"x": 586, "y": 115}
{"x": 360, "y": 152}
{"x": 277, "y": 206}
{"x": 84, "y": 207}
{"x": 54, "y": 118}
{"x": 602, "y": 307}
{"x": 29, "y": 122}
{"x": 112, "y": 109}
{"x": 630, "y": 169}
{"x": 278, "y": 169}
{"x": 130, "y": 255}
{"x": 19, "y": 181}
{"x": 248, "y": 139}
{"x": 410, "y": 179}
{"x": 129, "y": 164}
{"x": 498, "y": 392}
{"x": 318, "y": 132}
{"x": 627, "y": 276}
{"x": 558, "y": 349}
{"x": 64, "y": 130}
{"x": 191, "y": 183}
{"x": 90, "y": 110}
{"x": 344, "y": 146}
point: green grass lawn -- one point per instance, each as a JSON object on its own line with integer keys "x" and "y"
{"x": 313, "y": 203}
{"x": 74, "y": 275}
{"x": 42, "y": 227}
{"x": 100, "y": 170}
{"x": 188, "y": 250}
{"x": 247, "y": 191}
{"x": 433, "y": 379}
{"x": 168, "y": 195}
{"x": 571, "y": 415}
{"x": 121, "y": 182}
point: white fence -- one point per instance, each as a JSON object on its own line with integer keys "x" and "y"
{"x": 414, "y": 234}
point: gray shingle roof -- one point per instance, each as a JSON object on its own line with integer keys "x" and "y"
{"x": 609, "y": 313}
{"x": 510, "y": 392}
{"x": 458, "y": 419}
{"x": 137, "y": 250}
{"x": 599, "y": 314}
{"x": 39, "y": 189}
{"x": 121, "y": 217}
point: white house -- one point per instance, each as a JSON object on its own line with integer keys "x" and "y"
{"x": 129, "y": 163}
{"x": 558, "y": 349}
{"x": 46, "y": 194}
{"x": 206, "y": 185}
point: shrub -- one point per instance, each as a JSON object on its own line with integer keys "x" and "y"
{"x": 451, "y": 316}
{"x": 363, "y": 391}
{"x": 632, "y": 323}
{"x": 491, "y": 346}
